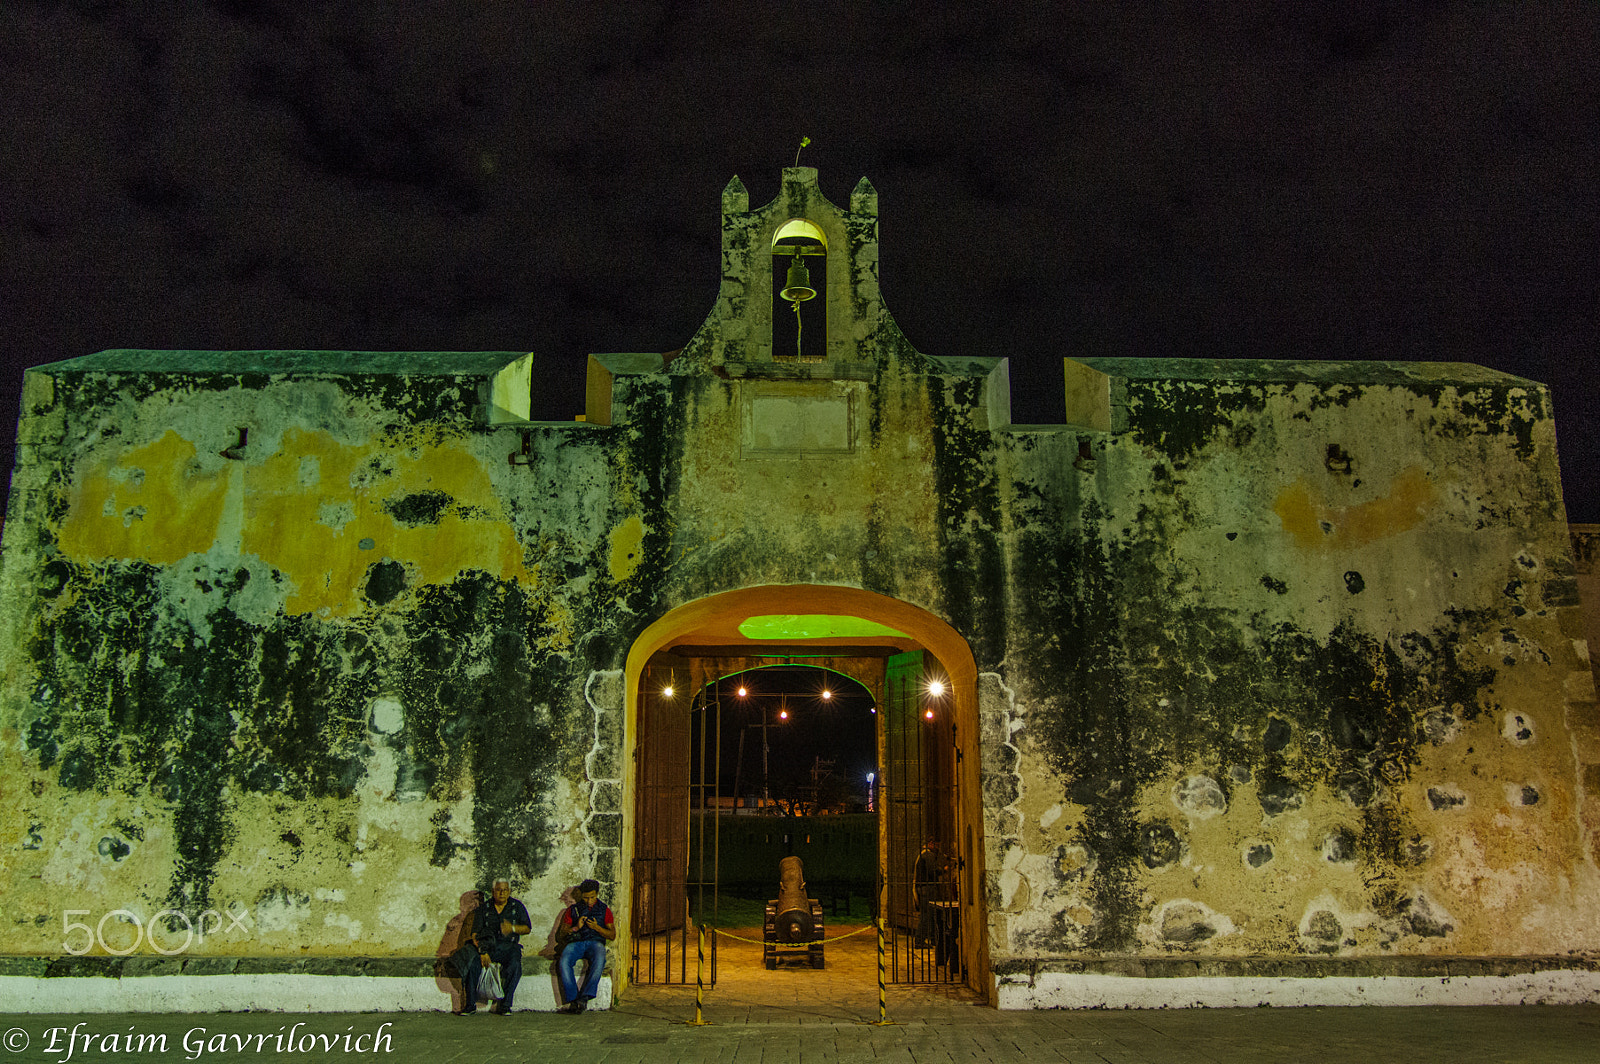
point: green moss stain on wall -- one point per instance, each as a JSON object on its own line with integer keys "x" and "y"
{"x": 490, "y": 701}
{"x": 1076, "y": 640}
{"x": 157, "y": 712}
{"x": 972, "y": 565}
{"x": 136, "y": 706}
{"x": 1179, "y": 418}
{"x": 1137, "y": 688}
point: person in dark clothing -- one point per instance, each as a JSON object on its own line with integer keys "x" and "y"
{"x": 931, "y": 884}
{"x": 497, "y": 929}
{"x": 586, "y": 927}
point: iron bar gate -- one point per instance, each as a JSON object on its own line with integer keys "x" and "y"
{"x": 923, "y": 911}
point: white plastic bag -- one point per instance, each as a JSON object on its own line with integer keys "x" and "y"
{"x": 489, "y": 984}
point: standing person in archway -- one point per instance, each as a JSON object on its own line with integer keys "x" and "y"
{"x": 931, "y": 882}
{"x": 586, "y": 927}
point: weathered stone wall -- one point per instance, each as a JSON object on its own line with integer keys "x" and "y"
{"x": 1586, "y": 554}
{"x": 329, "y": 677}
{"x": 1276, "y": 660}
{"x": 1297, "y": 670}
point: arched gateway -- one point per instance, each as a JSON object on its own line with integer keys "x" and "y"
{"x": 924, "y": 681}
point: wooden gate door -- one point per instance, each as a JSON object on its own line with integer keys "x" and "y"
{"x": 661, "y": 846}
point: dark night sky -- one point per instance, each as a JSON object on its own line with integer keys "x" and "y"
{"x": 841, "y": 729}
{"x": 1324, "y": 179}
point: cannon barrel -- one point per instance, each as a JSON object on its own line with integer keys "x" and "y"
{"x": 794, "y": 908}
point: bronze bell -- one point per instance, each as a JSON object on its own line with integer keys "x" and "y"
{"x": 798, "y": 287}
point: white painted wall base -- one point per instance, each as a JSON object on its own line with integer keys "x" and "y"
{"x": 255, "y": 993}
{"x": 1051, "y": 990}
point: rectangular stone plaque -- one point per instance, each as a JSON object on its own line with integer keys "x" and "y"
{"x": 798, "y": 419}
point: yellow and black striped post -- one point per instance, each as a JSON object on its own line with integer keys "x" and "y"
{"x": 883, "y": 993}
{"x": 700, "y": 984}
{"x": 883, "y": 1019}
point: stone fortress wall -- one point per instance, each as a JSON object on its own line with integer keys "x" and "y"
{"x": 1277, "y": 663}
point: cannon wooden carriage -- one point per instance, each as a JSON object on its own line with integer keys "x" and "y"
{"x": 794, "y": 927}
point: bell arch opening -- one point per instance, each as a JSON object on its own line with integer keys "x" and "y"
{"x": 922, "y": 681}
{"x": 799, "y": 292}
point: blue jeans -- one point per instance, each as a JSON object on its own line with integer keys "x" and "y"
{"x": 593, "y": 951}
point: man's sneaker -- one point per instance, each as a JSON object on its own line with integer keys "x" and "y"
{"x": 571, "y": 1008}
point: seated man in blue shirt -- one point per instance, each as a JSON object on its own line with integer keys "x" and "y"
{"x": 497, "y": 929}
{"x": 586, "y": 927}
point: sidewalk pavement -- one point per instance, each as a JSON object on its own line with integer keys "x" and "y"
{"x": 932, "y": 1030}
{"x": 797, "y": 1015}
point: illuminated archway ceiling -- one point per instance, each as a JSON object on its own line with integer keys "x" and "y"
{"x": 796, "y": 626}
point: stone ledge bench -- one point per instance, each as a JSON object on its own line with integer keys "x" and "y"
{"x": 146, "y": 983}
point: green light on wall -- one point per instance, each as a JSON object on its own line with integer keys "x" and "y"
{"x": 812, "y": 626}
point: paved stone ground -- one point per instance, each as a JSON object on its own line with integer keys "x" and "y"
{"x": 808, "y": 1017}
{"x": 931, "y": 1031}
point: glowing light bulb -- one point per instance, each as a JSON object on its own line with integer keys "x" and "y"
{"x": 667, "y": 691}
{"x": 826, "y": 694}
{"x": 743, "y": 692}
{"x": 936, "y": 688}
{"x": 928, "y": 714}
{"x": 783, "y": 714}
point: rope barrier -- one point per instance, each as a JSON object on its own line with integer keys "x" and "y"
{"x": 762, "y": 942}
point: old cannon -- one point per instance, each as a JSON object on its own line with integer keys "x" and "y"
{"x": 794, "y": 922}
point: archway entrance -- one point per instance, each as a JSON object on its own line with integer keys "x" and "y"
{"x": 921, "y": 680}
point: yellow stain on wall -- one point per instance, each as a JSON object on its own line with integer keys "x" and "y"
{"x": 627, "y": 548}
{"x": 310, "y": 505}
{"x": 152, "y": 503}
{"x": 306, "y": 510}
{"x": 1410, "y": 498}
